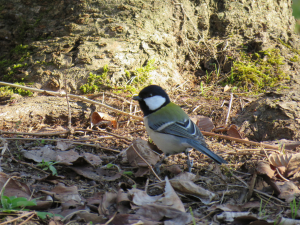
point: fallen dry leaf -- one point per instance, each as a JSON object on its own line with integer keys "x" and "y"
{"x": 203, "y": 122}
{"x": 14, "y": 187}
{"x": 143, "y": 148}
{"x": 264, "y": 168}
{"x": 106, "y": 206}
{"x": 98, "y": 119}
{"x": 64, "y": 193}
{"x": 288, "y": 190}
{"x": 131, "y": 219}
{"x": 190, "y": 188}
{"x": 62, "y": 157}
{"x": 159, "y": 212}
{"x": 155, "y": 208}
{"x": 232, "y": 131}
{"x": 98, "y": 174}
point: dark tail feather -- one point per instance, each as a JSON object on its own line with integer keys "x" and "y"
{"x": 206, "y": 151}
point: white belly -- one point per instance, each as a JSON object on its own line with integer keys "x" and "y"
{"x": 169, "y": 144}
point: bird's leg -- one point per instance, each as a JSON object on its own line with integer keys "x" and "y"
{"x": 188, "y": 161}
{"x": 157, "y": 165}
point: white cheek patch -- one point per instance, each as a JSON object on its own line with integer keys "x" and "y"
{"x": 155, "y": 102}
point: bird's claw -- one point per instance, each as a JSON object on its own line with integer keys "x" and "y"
{"x": 157, "y": 168}
{"x": 190, "y": 164}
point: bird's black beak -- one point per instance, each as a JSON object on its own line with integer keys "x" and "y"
{"x": 137, "y": 98}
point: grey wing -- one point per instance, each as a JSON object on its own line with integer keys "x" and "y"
{"x": 185, "y": 129}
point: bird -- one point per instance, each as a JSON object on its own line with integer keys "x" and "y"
{"x": 170, "y": 127}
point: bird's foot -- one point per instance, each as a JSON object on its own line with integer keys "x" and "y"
{"x": 157, "y": 168}
{"x": 190, "y": 164}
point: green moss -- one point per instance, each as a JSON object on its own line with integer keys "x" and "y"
{"x": 94, "y": 81}
{"x": 9, "y": 67}
{"x": 140, "y": 77}
{"x": 22, "y": 91}
{"x": 295, "y": 58}
{"x": 290, "y": 47}
{"x": 258, "y": 71}
{"x": 142, "y": 74}
{"x": 9, "y": 91}
{"x": 6, "y": 91}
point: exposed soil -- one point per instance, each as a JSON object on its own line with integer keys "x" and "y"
{"x": 43, "y": 114}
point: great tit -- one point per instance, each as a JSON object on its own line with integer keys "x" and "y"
{"x": 170, "y": 127}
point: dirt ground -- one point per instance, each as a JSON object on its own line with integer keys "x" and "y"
{"x": 101, "y": 178}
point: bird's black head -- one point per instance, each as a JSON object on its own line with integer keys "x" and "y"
{"x": 152, "y": 98}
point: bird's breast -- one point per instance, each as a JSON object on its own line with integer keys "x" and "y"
{"x": 169, "y": 144}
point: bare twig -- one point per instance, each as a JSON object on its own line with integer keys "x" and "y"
{"x": 229, "y": 109}
{"x": 34, "y": 134}
{"x": 15, "y": 219}
{"x": 105, "y": 132}
{"x": 150, "y": 167}
{"x": 84, "y": 99}
{"x": 27, "y": 164}
{"x": 111, "y": 219}
{"x": 64, "y": 132}
{"x": 69, "y": 110}
{"x": 25, "y": 221}
{"x": 238, "y": 140}
{"x": 97, "y": 145}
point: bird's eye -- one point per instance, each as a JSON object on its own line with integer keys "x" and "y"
{"x": 150, "y": 95}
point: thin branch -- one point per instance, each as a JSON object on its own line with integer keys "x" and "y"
{"x": 15, "y": 219}
{"x": 105, "y": 132}
{"x": 150, "y": 167}
{"x": 84, "y": 99}
{"x": 69, "y": 109}
{"x": 238, "y": 140}
{"x": 229, "y": 109}
{"x": 97, "y": 145}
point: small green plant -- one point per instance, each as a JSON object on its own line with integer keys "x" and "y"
{"x": 9, "y": 67}
{"x": 48, "y": 165}
{"x": 262, "y": 211}
{"x": 142, "y": 74}
{"x": 13, "y": 203}
{"x": 94, "y": 81}
{"x": 294, "y": 208}
{"x": 192, "y": 214}
{"x": 208, "y": 75}
{"x": 128, "y": 173}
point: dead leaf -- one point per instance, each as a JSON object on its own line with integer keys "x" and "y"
{"x": 232, "y": 131}
{"x": 203, "y": 122}
{"x": 142, "y": 147}
{"x": 63, "y": 145}
{"x": 63, "y": 193}
{"x": 227, "y": 88}
{"x": 98, "y": 119}
{"x": 264, "y": 168}
{"x": 159, "y": 212}
{"x": 140, "y": 197}
{"x": 174, "y": 169}
{"x": 14, "y": 187}
{"x": 289, "y": 191}
{"x": 92, "y": 217}
{"x": 190, "y": 188}
{"x": 131, "y": 219}
{"x": 123, "y": 202}
{"x": 62, "y": 157}
{"x": 108, "y": 201}
{"x": 278, "y": 160}
{"x": 98, "y": 174}
{"x": 170, "y": 197}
